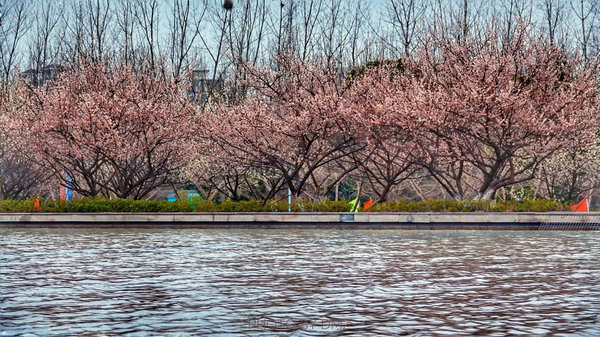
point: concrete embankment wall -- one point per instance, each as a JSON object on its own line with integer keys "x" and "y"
{"x": 309, "y": 220}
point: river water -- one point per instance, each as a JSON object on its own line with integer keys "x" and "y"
{"x": 287, "y": 282}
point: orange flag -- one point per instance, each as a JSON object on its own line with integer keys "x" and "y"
{"x": 36, "y": 204}
{"x": 582, "y": 206}
{"x": 368, "y": 204}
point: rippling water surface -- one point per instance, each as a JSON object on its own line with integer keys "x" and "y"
{"x": 230, "y": 282}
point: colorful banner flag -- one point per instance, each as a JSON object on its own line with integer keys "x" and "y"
{"x": 63, "y": 192}
{"x": 368, "y": 204}
{"x": 354, "y": 205}
{"x": 582, "y": 206}
{"x": 69, "y": 190}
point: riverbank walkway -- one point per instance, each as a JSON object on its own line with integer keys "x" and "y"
{"x": 421, "y": 220}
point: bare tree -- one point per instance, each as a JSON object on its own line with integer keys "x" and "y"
{"x": 99, "y": 28}
{"x": 246, "y": 33}
{"x": 146, "y": 14}
{"x": 458, "y": 19}
{"x": 554, "y": 12}
{"x": 44, "y": 44}
{"x": 585, "y": 12}
{"x": 125, "y": 17}
{"x": 184, "y": 29}
{"x": 334, "y": 35}
{"x": 405, "y": 18}
{"x": 512, "y": 13}
{"x": 15, "y": 23}
{"x": 311, "y": 11}
{"x": 282, "y": 27}
{"x": 215, "y": 45}
{"x": 357, "y": 38}
{"x": 239, "y": 38}
{"x": 89, "y": 31}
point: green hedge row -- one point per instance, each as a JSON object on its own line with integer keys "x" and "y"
{"x": 472, "y": 206}
{"x": 128, "y": 205}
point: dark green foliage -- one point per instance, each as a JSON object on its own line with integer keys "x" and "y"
{"x": 90, "y": 205}
{"x": 323, "y": 206}
{"x": 358, "y": 71}
{"x": 471, "y": 206}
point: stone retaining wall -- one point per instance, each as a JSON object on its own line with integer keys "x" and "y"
{"x": 311, "y": 220}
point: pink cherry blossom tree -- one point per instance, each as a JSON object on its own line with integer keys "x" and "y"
{"x": 294, "y": 121}
{"x": 571, "y": 173}
{"x": 384, "y": 119}
{"x": 116, "y": 132}
{"x": 20, "y": 177}
{"x": 229, "y": 177}
{"x": 495, "y": 109}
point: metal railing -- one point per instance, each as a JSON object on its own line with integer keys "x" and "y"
{"x": 573, "y": 221}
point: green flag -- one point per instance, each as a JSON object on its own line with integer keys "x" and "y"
{"x": 354, "y": 205}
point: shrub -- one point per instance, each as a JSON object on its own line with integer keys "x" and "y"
{"x": 90, "y": 205}
{"x": 471, "y": 206}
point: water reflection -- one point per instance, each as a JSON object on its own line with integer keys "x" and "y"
{"x": 235, "y": 282}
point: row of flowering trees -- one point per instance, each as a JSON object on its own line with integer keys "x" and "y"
{"x": 469, "y": 117}
{"x": 474, "y": 117}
